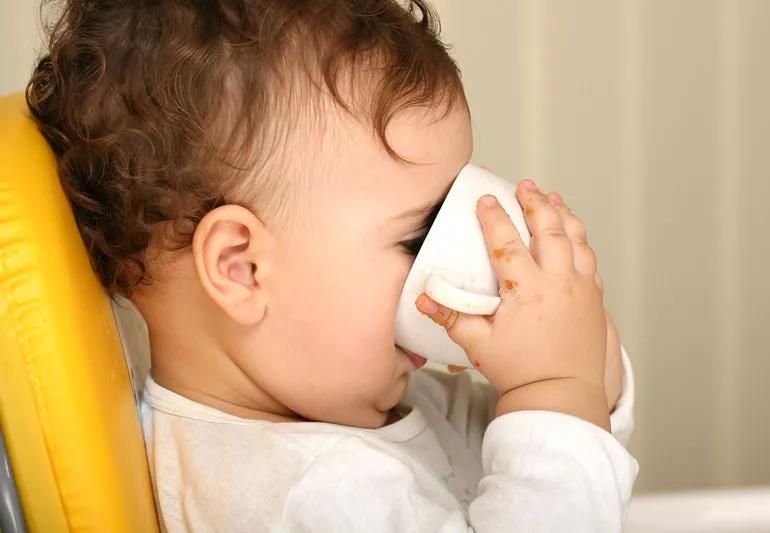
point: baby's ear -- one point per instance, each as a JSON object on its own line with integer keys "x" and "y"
{"x": 231, "y": 248}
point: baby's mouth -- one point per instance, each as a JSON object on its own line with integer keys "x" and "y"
{"x": 417, "y": 360}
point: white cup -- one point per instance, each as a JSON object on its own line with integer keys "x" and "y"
{"x": 453, "y": 266}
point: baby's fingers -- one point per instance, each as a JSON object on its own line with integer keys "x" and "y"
{"x": 550, "y": 245}
{"x": 584, "y": 256}
{"x": 466, "y": 330}
{"x": 509, "y": 255}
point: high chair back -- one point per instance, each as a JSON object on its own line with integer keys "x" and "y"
{"x": 69, "y": 422}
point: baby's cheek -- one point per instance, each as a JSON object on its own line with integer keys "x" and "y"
{"x": 366, "y": 295}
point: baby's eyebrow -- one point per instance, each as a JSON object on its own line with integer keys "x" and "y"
{"x": 422, "y": 216}
{"x": 424, "y": 211}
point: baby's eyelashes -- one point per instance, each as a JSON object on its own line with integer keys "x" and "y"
{"x": 412, "y": 246}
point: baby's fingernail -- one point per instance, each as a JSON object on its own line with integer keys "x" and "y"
{"x": 529, "y": 184}
{"x": 556, "y": 198}
{"x": 426, "y": 305}
{"x": 488, "y": 200}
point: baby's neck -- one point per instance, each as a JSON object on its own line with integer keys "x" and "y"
{"x": 221, "y": 403}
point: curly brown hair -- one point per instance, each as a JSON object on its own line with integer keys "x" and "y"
{"x": 156, "y": 109}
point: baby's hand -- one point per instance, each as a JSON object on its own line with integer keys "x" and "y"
{"x": 544, "y": 348}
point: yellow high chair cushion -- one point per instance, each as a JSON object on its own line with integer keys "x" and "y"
{"x": 66, "y": 406}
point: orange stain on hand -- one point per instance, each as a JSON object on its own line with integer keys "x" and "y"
{"x": 501, "y": 253}
{"x": 445, "y": 318}
{"x": 439, "y": 319}
{"x": 528, "y": 211}
{"x": 510, "y": 284}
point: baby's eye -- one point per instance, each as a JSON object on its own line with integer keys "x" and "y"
{"x": 412, "y": 246}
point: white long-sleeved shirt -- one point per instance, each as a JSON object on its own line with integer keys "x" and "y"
{"x": 448, "y": 465}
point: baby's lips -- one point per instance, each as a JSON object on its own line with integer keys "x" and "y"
{"x": 417, "y": 360}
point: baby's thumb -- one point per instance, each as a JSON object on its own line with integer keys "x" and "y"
{"x": 466, "y": 330}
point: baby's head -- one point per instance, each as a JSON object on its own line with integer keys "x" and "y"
{"x": 256, "y": 176}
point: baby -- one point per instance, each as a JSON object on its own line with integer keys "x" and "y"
{"x": 257, "y": 176}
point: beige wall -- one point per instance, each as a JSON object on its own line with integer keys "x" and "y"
{"x": 19, "y": 39}
{"x": 652, "y": 118}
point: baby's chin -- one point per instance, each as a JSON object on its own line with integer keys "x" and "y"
{"x": 372, "y": 420}
{"x": 390, "y": 417}
{"x": 361, "y": 409}
{"x": 387, "y": 415}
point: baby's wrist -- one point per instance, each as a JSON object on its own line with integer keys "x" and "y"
{"x": 571, "y": 396}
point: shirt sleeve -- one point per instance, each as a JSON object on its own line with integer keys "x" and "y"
{"x": 622, "y": 417}
{"x": 543, "y": 471}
